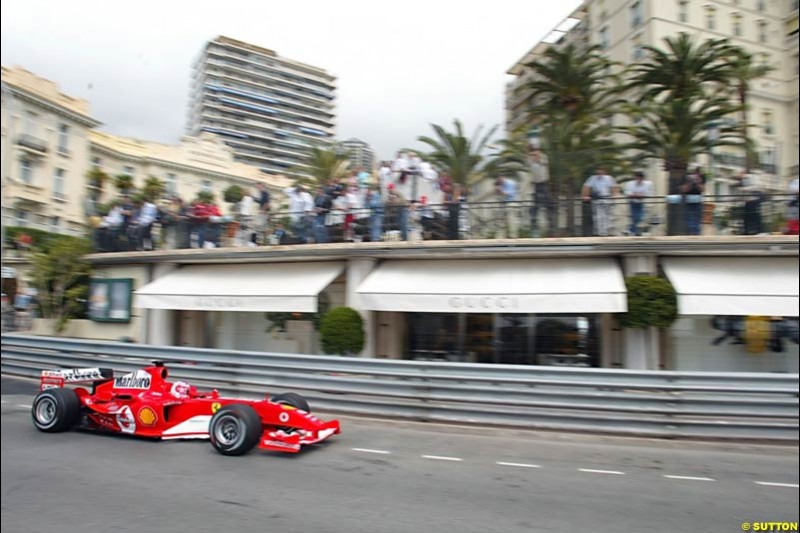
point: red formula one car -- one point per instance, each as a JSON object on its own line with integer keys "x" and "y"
{"x": 145, "y": 404}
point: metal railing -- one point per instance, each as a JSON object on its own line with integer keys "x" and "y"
{"x": 740, "y": 406}
{"x": 742, "y": 214}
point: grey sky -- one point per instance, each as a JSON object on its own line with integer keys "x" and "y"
{"x": 400, "y": 65}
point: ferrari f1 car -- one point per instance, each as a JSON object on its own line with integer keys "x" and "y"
{"x": 145, "y": 404}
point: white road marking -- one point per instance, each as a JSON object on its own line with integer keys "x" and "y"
{"x": 367, "y": 450}
{"x": 593, "y": 471}
{"x": 689, "y": 478}
{"x": 442, "y": 458}
{"x": 24, "y": 406}
{"x": 521, "y": 465}
{"x": 773, "y": 484}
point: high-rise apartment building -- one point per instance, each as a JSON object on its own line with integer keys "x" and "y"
{"x": 767, "y": 29}
{"x": 360, "y": 153}
{"x": 269, "y": 109}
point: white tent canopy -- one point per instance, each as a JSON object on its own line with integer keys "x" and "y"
{"x": 271, "y": 287}
{"x": 739, "y": 286}
{"x": 591, "y": 285}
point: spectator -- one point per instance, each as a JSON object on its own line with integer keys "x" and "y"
{"x": 111, "y": 228}
{"x": 384, "y": 177}
{"x": 637, "y": 190}
{"x": 375, "y": 205}
{"x": 322, "y": 208}
{"x": 401, "y": 174}
{"x": 144, "y": 225}
{"x": 452, "y": 201}
{"x": 792, "y": 225}
{"x": 262, "y": 198}
{"x": 397, "y": 212}
{"x": 748, "y": 184}
{"x": 301, "y": 206}
{"x": 692, "y": 189}
{"x": 507, "y": 192}
{"x": 279, "y": 235}
{"x": 247, "y": 216}
{"x": 540, "y": 178}
{"x": 200, "y": 214}
{"x": 598, "y": 189}
{"x": 215, "y": 224}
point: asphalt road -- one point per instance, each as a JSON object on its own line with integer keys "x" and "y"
{"x": 385, "y": 476}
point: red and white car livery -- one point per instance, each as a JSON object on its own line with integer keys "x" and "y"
{"x": 144, "y": 403}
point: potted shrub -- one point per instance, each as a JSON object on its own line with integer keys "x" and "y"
{"x": 652, "y": 302}
{"x": 342, "y": 331}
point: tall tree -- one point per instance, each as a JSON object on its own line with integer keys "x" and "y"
{"x": 325, "y": 164}
{"x": 61, "y": 278}
{"x": 455, "y": 155}
{"x": 744, "y": 70}
{"x": 572, "y": 97}
{"x": 682, "y": 90}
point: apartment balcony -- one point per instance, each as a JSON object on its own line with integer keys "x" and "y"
{"x": 28, "y": 194}
{"x": 32, "y": 144}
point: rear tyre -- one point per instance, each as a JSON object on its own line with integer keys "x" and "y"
{"x": 293, "y": 399}
{"x": 235, "y": 429}
{"x": 56, "y": 410}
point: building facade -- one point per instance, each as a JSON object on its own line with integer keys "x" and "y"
{"x": 269, "y": 109}
{"x": 554, "y": 302}
{"x": 203, "y": 163}
{"x": 767, "y": 29}
{"x": 361, "y": 154}
{"x": 45, "y": 154}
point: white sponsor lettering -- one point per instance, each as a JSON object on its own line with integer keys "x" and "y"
{"x": 219, "y": 302}
{"x": 75, "y": 374}
{"x": 483, "y": 302}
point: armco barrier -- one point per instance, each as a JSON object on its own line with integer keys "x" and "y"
{"x": 742, "y": 406}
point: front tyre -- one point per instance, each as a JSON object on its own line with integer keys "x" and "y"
{"x": 235, "y": 429}
{"x": 56, "y": 410}
{"x": 292, "y": 399}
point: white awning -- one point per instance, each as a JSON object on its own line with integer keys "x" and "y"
{"x": 742, "y": 286}
{"x": 276, "y": 287}
{"x": 496, "y": 286}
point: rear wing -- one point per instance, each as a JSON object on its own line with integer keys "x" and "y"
{"x": 57, "y": 378}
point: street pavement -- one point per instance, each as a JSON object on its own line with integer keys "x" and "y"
{"x": 387, "y": 476}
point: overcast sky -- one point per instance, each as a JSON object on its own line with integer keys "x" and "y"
{"x": 400, "y": 65}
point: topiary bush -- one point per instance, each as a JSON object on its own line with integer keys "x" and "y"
{"x": 342, "y": 331}
{"x": 652, "y": 302}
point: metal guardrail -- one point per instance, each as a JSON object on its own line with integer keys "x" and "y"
{"x": 741, "y": 406}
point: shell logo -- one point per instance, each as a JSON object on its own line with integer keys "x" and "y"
{"x": 147, "y": 416}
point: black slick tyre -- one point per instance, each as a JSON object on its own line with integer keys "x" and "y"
{"x": 235, "y": 429}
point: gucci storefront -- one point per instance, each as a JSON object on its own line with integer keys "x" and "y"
{"x": 515, "y": 311}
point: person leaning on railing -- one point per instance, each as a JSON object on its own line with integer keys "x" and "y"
{"x": 637, "y": 190}
{"x": 599, "y": 189}
{"x": 692, "y": 189}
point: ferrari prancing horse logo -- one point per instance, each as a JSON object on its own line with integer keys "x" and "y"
{"x": 216, "y": 406}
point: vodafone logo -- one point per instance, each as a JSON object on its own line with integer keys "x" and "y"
{"x": 283, "y": 417}
{"x": 125, "y": 420}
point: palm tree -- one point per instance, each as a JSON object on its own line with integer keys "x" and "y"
{"x": 153, "y": 188}
{"x": 325, "y": 165}
{"x": 455, "y": 155}
{"x": 572, "y": 98}
{"x": 744, "y": 70}
{"x": 682, "y": 91}
{"x": 124, "y": 182}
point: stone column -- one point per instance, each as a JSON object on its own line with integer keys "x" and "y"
{"x": 357, "y": 271}
{"x": 640, "y": 346}
{"x": 159, "y": 323}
